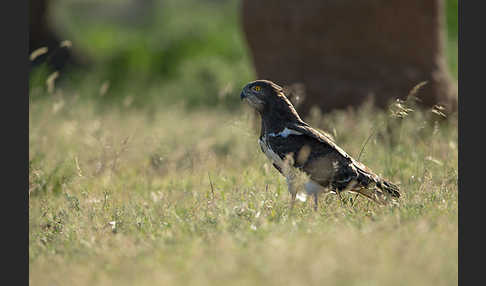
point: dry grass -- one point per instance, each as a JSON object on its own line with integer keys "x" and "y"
{"x": 123, "y": 198}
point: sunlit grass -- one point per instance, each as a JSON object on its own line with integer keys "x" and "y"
{"x": 130, "y": 186}
{"x": 124, "y": 197}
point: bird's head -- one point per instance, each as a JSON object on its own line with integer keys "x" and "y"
{"x": 268, "y": 99}
{"x": 261, "y": 93}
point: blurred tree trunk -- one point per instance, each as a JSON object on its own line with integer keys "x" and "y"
{"x": 42, "y": 35}
{"x": 343, "y": 51}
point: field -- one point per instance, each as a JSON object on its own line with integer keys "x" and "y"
{"x": 126, "y": 197}
{"x": 145, "y": 169}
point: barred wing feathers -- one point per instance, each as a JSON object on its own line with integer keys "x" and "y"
{"x": 328, "y": 163}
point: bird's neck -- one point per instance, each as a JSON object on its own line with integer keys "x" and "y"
{"x": 277, "y": 118}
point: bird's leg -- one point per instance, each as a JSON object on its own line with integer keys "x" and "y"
{"x": 292, "y": 200}
{"x": 314, "y": 189}
{"x": 292, "y": 191}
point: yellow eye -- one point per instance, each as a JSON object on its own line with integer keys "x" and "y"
{"x": 257, "y": 88}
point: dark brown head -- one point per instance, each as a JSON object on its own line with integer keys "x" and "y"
{"x": 269, "y": 100}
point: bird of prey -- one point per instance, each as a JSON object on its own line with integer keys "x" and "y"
{"x": 291, "y": 144}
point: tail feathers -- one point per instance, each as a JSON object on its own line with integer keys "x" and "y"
{"x": 388, "y": 187}
{"x": 376, "y": 194}
{"x": 371, "y": 194}
{"x": 365, "y": 179}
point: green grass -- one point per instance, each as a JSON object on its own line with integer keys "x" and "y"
{"x": 130, "y": 185}
{"x": 190, "y": 51}
{"x": 120, "y": 196}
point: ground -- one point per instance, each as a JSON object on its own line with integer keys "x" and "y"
{"x": 121, "y": 196}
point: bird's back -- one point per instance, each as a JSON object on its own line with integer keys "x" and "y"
{"x": 322, "y": 159}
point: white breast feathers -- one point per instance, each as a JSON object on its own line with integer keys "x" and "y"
{"x": 285, "y": 133}
{"x": 270, "y": 154}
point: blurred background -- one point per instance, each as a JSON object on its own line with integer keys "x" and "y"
{"x": 138, "y": 53}
{"x": 143, "y": 162}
